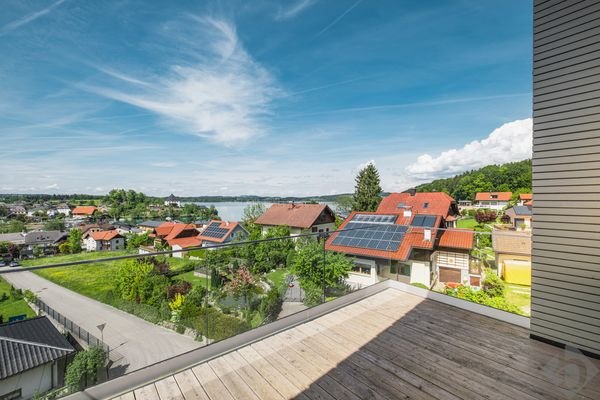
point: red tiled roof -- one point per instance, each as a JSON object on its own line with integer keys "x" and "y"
{"x": 293, "y": 215}
{"x": 230, "y": 226}
{"x": 185, "y": 242}
{"x": 181, "y": 230}
{"x": 84, "y": 210}
{"x": 457, "y": 239}
{"x": 431, "y": 203}
{"x": 105, "y": 235}
{"x": 487, "y": 196}
{"x": 526, "y": 196}
{"x": 528, "y": 203}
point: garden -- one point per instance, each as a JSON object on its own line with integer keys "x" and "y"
{"x": 12, "y": 302}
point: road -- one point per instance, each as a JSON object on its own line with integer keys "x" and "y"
{"x": 139, "y": 342}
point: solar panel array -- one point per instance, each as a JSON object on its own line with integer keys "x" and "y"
{"x": 214, "y": 231}
{"x": 426, "y": 221}
{"x": 369, "y": 235}
{"x": 387, "y": 219}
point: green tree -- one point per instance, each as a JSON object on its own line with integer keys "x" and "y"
{"x": 82, "y": 371}
{"x": 367, "y": 192}
{"x": 55, "y": 225}
{"x": 308, "y": 266}
{"x": 272, "y": 254}
{"x": 131, "y": 277}
{"x": 135, "y": 240}
{"x": 243, "y": 284}
{"x": 251, "y": 214}
{"x": 74, "y": 240}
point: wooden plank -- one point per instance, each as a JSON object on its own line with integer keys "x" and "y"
{"x": 313, "y": 391}
{"x": 232, "y": 380}
{"x": 190, "y": 387}
{"x": 212, "y": 385}
{"x": 147, "y": 392}
{"x": 279, "y": 381}
{"x": 168, "y": 389}
{"x": 252, "y": 377}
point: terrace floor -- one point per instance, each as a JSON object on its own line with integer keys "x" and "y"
{"x": 388, "y": 346}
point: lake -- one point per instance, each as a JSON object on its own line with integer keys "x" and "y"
{"x": 234, "y": 210}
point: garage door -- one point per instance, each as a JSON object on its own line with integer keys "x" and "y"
{"x": 450, "y": 275}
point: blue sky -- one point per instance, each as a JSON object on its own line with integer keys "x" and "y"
{"x": 261, "y": 97}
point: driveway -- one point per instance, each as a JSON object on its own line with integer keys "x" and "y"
{"x": 139, "y": 342}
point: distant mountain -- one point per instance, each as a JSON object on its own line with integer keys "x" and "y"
{"x": 510, "y": 177}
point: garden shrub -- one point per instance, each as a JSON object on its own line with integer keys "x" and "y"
{"x": 270, "y": 305}
{"x": 492, "y": 284}
{"x": 313, "y": 294}
{"x": 82, "y": 371}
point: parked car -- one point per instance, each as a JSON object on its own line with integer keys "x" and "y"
{"x": 14, "y": 264}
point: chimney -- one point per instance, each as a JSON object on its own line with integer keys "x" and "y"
{"x": 412, "y": 192}
{"x": 407, "y": 212}
{"x": 427, "y": 235}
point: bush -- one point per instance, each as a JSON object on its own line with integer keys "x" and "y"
{"x": 29, "y": 296}
{"x": 181, "y": 287}
{"x": 212, "y": 323}
{"x": 270, "y": 305}
{"x": 82, "y": 371}
{"x": 180, "y": 328}
{"x": 313, "y": 294}
{"x": 197, "y": 296}
{"x": 492, "y": 284}
{"x": 481, "y": 297}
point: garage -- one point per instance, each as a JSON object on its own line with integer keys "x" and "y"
{"x": 450, "y": 275}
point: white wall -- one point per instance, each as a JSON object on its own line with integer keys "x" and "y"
{"x": 420, "y": 273}
{"x": 30, "y": 382}
{"x": 357, "y": 280}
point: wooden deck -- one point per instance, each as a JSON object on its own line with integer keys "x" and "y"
{"x": 389, "y": 346}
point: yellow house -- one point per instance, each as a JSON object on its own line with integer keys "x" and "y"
{"x": 513, "y": 256}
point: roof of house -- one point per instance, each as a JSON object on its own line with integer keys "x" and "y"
{"x": 105, "y": 235}
{"x": 520, "y": 210}
{"x": 528, "y": 203}
{"x": 84, "y": 210}
{"x": 526, "y": 196}
{"x": 151, "y": 224}
{"x": 456, "y": 239}
{"x": 430, "y": 203}
{"x": 177, "y": 229}
{"x": 413, "y": 236}
{"x": 218, "y": 231}
{"x": 510, "y": 242}
{"x": 41, "y": 237}
{"x": 15, "y": 238}
{"x": 172, "y": 198}
{"x": 28, "y": 344}
{"x": 499, "y": 196}
{"x": 293, "y": 215}
{"x": 185, "y": 242}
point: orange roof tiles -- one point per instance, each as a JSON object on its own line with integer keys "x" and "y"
{"x": 181, "y": 230}
{"x": 457, "y": 239}
{"x": 431, "y": 203}
{"x": 105, "y": 235}
{"x": 293, "y": 215}
{"x": 526, "y": 196}
{"x": 185, "y": 242}
{"x": 84, "y": 210}
{"x": 487, "y": 196}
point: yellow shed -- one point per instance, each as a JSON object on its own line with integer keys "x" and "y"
{"x": 517, "y": 272}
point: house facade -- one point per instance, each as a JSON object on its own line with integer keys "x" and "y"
{"x": 513, "y": 256}
{"x": 520, "y": 217}
{"x": 104, "y": 241}
{"x": 406, "y": 239}
{"x": 217, "y": 232}
{"x": 172, "y": 201}
{"x": 300, "y": 218}
{"x": 34, "y": 358}
{"x": 492, "y": 200}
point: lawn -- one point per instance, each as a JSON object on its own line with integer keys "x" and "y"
{"x": 12, "y": 306}
{"x": 467, "y": 223}
{"x": 520, "y": 296}
{"x": 278, "y": 276}
{"x": 92, "y": 280}
{"x": 193, "y": 279}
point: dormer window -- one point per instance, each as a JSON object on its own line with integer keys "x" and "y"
{"x": 401, "y": 205}
{"x": 425, "y": 205}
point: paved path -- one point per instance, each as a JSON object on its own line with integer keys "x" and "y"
{"x": 140, "y": 342}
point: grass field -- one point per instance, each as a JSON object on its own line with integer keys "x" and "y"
{"x": 11, "y": 306}
{"x": 520, "y": 296}
{"x": 467, "y": 223}
{"x": 91, "y": 280}
{"x": 193, "y": 279}
{"x": 278, "y": 276}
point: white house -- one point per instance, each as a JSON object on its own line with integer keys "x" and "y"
{"x": 173, "y": 201}
{"x": 104, "y": 241}
{"x": 34, "y": 359}
{"x": 492, "y": 200}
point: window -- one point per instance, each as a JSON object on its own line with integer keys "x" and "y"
{"x": 14, "y": 395}
{"x": 425, "y": 205}
{"x": 360, "y": 268}
{"x": 315, "y": 229}
{"x": 405, "y": 269}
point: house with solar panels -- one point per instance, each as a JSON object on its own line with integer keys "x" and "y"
{"x": 217, "y": 232}
{"x": 406, "y": 239}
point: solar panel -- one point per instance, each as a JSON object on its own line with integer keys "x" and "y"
{"x": 427, "y": 221}
{"x": 371, "y": 235}
{"x": 215, "y": 231}
{"x": 375, "y": 218}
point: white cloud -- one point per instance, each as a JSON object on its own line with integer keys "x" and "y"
{"x": 28, "y": 18}
{"x": 53, "y": 186}
{"x": 163, "y": 164}
{"x": 510, "y": 142}
{"x": 293, "y": 10}
{"x": 364, "y": 165}
{"x": 216, "y": 90}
